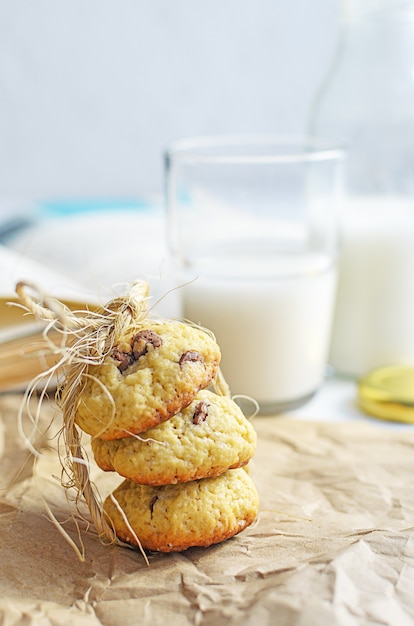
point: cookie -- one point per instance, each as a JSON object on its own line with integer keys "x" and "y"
{"x": 154, "y": 372}
{"x": 205, "y": 439}
{"x": 173, "y": 518}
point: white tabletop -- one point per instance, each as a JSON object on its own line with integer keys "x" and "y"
{"x": 336, "y": 401}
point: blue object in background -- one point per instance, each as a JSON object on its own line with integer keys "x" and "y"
{"x": 67, "y": 207}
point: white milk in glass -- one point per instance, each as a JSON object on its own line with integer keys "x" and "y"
{"x": 374, "y": 319}
{"x": 272, "y": 325}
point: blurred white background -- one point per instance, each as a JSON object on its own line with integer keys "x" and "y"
{"x": 91, "y": 91}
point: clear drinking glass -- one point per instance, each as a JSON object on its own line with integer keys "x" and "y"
{"x": 253, "y": 242}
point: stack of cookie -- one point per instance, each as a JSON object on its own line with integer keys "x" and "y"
{"x": 180, "y": 447}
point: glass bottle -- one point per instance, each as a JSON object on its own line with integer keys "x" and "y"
{"x": 366, "y": 102}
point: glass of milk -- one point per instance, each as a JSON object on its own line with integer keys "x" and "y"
{"x": 252, "y": 236}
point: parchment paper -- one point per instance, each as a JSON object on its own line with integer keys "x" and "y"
{"x": 333, "y": 543}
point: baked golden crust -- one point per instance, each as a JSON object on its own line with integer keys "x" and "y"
{"x": 205, "y": 439}
{"x": 154, "y": 372}
{"x": 173, "y": 518}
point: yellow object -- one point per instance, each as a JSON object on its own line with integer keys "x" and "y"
{"x": 388, "y": 393}
{"x": 24, "y": 353}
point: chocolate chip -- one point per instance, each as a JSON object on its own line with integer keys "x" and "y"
{"x": 125, "y": 359}
{"x": 142, "y": 340}
{"x": 152, "y": 503}
{"x": 201, "y": 412}
{"x": 139, "y": 343}
{"x": 191, "y": 355}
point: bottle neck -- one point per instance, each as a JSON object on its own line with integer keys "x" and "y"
{"x": 352, "y": 10}
{"x": 378, "y": 30}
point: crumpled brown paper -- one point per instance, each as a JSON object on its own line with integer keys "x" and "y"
{"x": 333, "y": 543}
